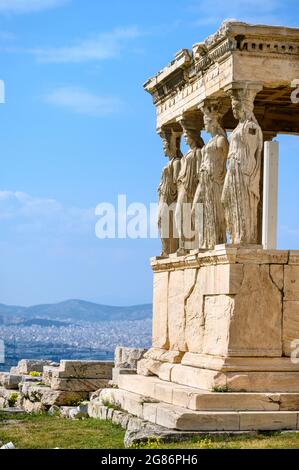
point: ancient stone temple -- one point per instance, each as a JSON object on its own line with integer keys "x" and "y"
{"x": 225, "y": 301}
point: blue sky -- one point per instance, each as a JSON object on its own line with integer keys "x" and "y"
{"x": 78, "y": 129}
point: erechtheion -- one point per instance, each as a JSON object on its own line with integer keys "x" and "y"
{"x": 226, "y": 303}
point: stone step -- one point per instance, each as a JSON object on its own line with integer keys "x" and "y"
{"x": 204, "y": 400}
{"x": 175, "y": 417}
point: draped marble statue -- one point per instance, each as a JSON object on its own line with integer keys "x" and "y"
{"x": 212, "y": 172}
{"x": 187, "y": 184}
{"x": 241, "y": 192}
{"x": 167, "y": 191}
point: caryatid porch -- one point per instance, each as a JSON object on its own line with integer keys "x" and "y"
{"x": 225, "y": 316}
{"x": 264, "y": 60}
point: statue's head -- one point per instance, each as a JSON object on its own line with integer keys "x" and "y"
{"x": 191, "y": 135}
{"x": 243, "y": 103}
{"x": 171, "y": 143}
{"x": 238, "y": 108}
{"x": 166, "y": 142}
{"x": 213, "y": 111}
{"x": 211, "y": 123}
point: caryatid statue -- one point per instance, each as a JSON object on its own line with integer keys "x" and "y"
{"x": 241, "y": 192}
{"x": 211, "y": 179}
{"x": 167, "y": 191}
{"x": 187, "y": 184}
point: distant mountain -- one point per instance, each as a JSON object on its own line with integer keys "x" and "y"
{"x": 74, "y": 310}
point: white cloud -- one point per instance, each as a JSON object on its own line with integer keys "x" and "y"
{"x": 253, "y": 11}
{"x": 82, "y": 101}
{"x": 23, "y": 213}
{"x": 28, "y": 6}
{"x": 98, "y": 47}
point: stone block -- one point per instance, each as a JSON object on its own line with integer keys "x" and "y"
{"x": 25, "y": 366}
{"x": 195, "y": 320}
{"x": 48, "y": 373}
{"x": 294, "y": 257}
{"x": 78, "y": 385}
{"x": 277, "y": 275}
{"x": 160, "y": 311}
{"x": 165, "y": 371}
{"x": 218, "y": 311}
{"x": 289, "y": 401}
{"x": 117, "y": 372}
{"x": 139, "y": 384}
{"x": 176, "y": 418}
{"x": 163, "y": 393}
{"x": 120, "y": 418}
{"x": 260, "y": 256}
{"x": 10, "y": 381}
{"x": 269, "y": 421}
{"x": 220, "y": 279}
{"x": 84, "y": 369}
{"x": 291, "y": 282}
{"x": 148, "y": 367}
{"x": 198, "y": 378}
{"x": 126, "y": 358}
{"x": 150, "y": 412}
{"x": 234, "y": 401}
{"x": 176, "y": 311}
{"x": 290, "y": 326}
{"x": 263, "y": 381}
{"x": 33, "y": 407}
{"x": 49, "y": 397}
{"x": 94, "y": 409}
{"x": 255, "y": 327}
{"x": 164, "y": 355}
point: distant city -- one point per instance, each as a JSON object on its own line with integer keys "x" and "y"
{"x": 74, "y": 329}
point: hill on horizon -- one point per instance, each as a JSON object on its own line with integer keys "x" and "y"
{"x": 75, "y": 310}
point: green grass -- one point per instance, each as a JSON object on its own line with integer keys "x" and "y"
{"x": 260, "y": 441}
{"x": 48, "y": 432}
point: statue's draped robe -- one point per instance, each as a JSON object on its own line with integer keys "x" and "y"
{"x": 209, "y": 191}
{"x": 241, "y": 192}
{"x": 187, "y": 184}
{"x": 188, "y": 177}
{"x": 167, "y": 192}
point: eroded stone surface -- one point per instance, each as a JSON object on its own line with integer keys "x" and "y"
{"x": 160, "y": 338}
{"x": 25, "y": 366}
{"x": 126, "y": 358}
{"x": 84, "y": 369}
{"x": 48, "y": 397}
{"x": 78, "y": 385}
{"x": 291, "y": 282}
{"x": 176, "y": 311}
{"x": 290, "y": 328}
{"x": 255, "y": 328}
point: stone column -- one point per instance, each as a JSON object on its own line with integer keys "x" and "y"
{"x": 270, "y": 195}
{"x": 268, "y": 136}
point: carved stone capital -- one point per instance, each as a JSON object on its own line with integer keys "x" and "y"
{"x": 214, "y": 107}
{"x": 245, "y": 92}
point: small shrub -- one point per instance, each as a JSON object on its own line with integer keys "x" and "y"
{"x": 12, "y": 400}
{"x": 151, "y": 442}
{"x": 113, "y": 406}
{"x": 75, "y": 402}
{"x": 221, "y": 389}
{"x": 33, "y": 373}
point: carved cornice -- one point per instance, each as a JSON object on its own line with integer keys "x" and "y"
{"x": 233, "y": 37}
{"x": 226, "y": 255}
